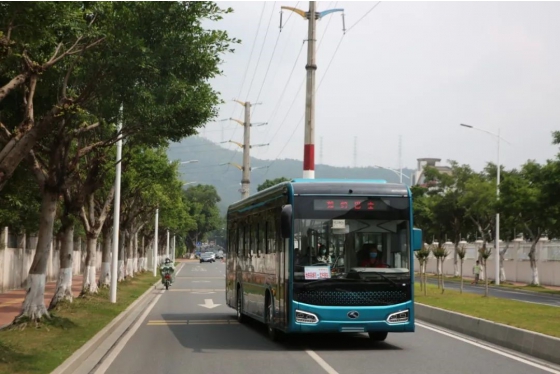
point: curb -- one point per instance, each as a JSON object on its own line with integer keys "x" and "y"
{"x": 83, "y": 353}
{"x": 524, "y": 341}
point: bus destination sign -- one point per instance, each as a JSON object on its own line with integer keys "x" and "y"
{"x": 344, "y": 204}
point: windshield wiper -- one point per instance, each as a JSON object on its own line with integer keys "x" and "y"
{"x": 381, "y": 275}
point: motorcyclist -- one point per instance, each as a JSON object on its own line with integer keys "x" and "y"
{"x": 167, "y": 267}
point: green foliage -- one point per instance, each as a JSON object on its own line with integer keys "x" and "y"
{"x": 203, "y": 200}
{"x": 461, "y": 252}
{"x": 20, "y": 202}
{"x": 440, "y": 252}
{"x": 422, "y": 254}
{"x": 271, "y": 182}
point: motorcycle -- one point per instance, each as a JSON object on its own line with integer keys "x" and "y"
{"x": 166, "y": 279}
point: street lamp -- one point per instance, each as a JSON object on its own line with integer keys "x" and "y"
{"x": 184, "y": 184}
{"x": 399, "y": 173}
{"x": 188, "y": 162}
{"x": 497, "y": 239}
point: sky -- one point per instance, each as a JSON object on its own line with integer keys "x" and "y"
{"x": 406, "y": 70}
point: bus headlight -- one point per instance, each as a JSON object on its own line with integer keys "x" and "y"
{"x": 306, "y": 317}
{"x": 398, "y": 317}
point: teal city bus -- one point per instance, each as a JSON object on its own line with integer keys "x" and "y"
{"x": 317, "y": 255}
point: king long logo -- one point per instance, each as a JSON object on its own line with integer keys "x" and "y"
{"x": 353, "y": 314}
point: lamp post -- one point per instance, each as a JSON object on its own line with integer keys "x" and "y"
{"x": 497, "y": 239}
{"x": 399, "y": 173}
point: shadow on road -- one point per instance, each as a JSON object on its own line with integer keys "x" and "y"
{"x": 200, "y": 332}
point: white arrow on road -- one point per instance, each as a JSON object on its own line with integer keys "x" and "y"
{"x": 209, "y": 303}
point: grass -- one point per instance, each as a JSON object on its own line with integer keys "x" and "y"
{"x": 41, "y": 349}
{"x": 534, "y": 317}
{"x": 527, "y": 287}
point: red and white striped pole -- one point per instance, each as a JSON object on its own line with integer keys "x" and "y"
{"x": 311, "y": 67}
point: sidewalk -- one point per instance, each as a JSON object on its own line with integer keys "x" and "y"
{"x": 11, "y": 301}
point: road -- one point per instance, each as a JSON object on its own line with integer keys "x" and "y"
{"x": 189, "y": 329}
{"x": 528, "y": 297}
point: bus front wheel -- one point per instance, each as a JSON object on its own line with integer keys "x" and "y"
{"x": 377, "y": 336}
{"x": 273, "y": 333}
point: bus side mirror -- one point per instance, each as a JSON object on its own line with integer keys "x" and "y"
{"x": 416, "y": 239}
{"x": 286, "y": 221}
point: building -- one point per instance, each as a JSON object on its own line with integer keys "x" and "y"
{"x": 428, "y": 161}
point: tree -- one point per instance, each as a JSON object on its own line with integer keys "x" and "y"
{"x": 271, "y": 182}
{"x": 167, "y": 96}
{"x": 203, "y": 200}
{"x": 525, "y": 195}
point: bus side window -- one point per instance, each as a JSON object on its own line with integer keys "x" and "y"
{"x": 266, "y": 249}
{"x": 257, "y": 242}
{"x": 240, "y": 235}
{"x": 271, "y": 235}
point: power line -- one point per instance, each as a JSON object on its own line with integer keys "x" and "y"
{"x": 364, "y": 16}
{"x": 298, "y": 90}
{"x": 248, "y": 62}
{"x": 260, "y": 53}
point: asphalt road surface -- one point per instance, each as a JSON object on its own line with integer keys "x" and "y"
{"x": 189, "y": 329}
{"x": 528, "y": 297}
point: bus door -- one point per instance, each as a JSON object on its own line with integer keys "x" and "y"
{"x": 281, "y": 287}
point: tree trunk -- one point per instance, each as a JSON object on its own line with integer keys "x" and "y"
{"x": 533, "y": 261}
{"x": 136, "y": 254}
{"x": 105, "y": 276}
{"x": 421, "y": 275}
{"x": 130, "y": 255}
{"x": 425, "y": 278}
{"x": 486, "y": 280}
{"x": 90, "y": 283}
{"x": 456, "y": 257}
{"x": 64, "y": 283}
{"x": 34, "y": 303}
{"x": 502, "y": 258}
{"x": 461, "y": 289}
{"x": 121, "y": 257}
{"x": 437, "y": 271}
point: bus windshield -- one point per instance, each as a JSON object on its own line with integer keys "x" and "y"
{"x": 337, "y": 236}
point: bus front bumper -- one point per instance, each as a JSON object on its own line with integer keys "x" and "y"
{"x": 313, "y": 318}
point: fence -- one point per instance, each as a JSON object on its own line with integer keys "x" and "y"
{"x": 17, "y": 252}
{"x": 516, "y": 261}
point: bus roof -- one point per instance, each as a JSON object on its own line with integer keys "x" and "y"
{"x": 326, "y": 187}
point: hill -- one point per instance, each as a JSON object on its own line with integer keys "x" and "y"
{"x": 227, "y": 179}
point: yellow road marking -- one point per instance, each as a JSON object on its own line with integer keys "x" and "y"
{"x": 197, "y": 289}
{"x": 193, "y": 322}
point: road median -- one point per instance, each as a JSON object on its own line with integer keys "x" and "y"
{"x": 527, "y": 328}
{"x": 76, "y": 330}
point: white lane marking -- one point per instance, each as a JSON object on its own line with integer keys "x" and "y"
{"x": 533, "y": 302}
{"x": 493, "y": 350}
{"x": 322, "y": 363}
{"x": 109, "y": 360}
{"x": 181, "y": 268}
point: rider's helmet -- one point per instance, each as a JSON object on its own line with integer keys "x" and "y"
{"x": 167, "y": 261}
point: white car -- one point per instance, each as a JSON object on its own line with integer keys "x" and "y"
{"x": 207, "y": 257}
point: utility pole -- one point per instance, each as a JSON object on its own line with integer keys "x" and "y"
{"x": 309, "y": 141}
{"x": 245, "y": 179}
{"x": 156, "y": 242}
{"x": 116, "y": 214}
{"x": 167, "y": 247}
{"x": 246, "y": 145}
